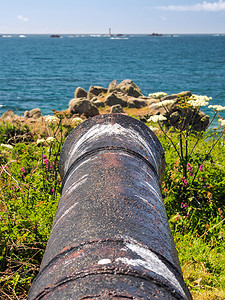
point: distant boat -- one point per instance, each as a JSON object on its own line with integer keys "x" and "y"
{"x": 55, "y": 36}
{"x": 22, "y": 36}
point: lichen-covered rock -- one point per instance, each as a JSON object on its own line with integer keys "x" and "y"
{"x": 183, "y": 119}
{"x": 127, "y": 87}
{"x": 176, "y": 97}
{"x": 9, "y": 114}
{"x": 201, "y": 121}
{"x": 154, "y": 109}
{"x": 95, "y": 91}
{"x": 113, "y": 99}
{"x": 93, "y": 111}
{"x": 185, "y": 94}
{"x": 35, "y": 113}
{"x": 113, "y": 86}
{"x": 83, "y": 106}
{"x": 26, "y": 114}
{"x": 80, "y": 93}
{"x": 150, "y": 101}
{"x": 136, "y": 103}
{"x": 97, "y": 102}
{"x": 116, "y": 109}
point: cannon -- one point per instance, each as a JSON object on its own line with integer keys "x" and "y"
{"x": 110, "y": 237}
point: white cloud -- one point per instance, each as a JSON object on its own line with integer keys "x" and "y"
{"x": 204, "y": 6}
{"x": 21, "y": 18}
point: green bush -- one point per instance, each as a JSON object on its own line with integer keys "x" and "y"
{"x": 12, "y": 133}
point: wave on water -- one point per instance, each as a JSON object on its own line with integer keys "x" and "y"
{"x": 119, "y": 38}
{"x": 1, "y": 105}
{"x": 6, "y": 36}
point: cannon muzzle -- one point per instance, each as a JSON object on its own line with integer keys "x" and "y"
{"x": 110, "y": 237}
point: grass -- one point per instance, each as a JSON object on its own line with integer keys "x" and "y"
{"x": 202, "y": 265}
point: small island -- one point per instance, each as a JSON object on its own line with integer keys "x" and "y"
{"x": 55, "y": 36}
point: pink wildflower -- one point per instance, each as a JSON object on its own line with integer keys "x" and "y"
{"x": 22, "y": 170}
{"x": 184, "y": 180}
{"x": 190, "y": 169}
{"x": 201, "y": 168}
{"x": 44, "y": 156}
{"x": 177, "y": 217}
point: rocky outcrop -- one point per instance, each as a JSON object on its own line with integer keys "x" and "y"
{"x": 83, "y": 107}
{"x": 116, "y": 109}
{"x": 178, "y": 117}
{"x": 9, "y": 114}
{"x": 127, "y": 87}
{"x": 34, "y": 113}
{"x": 115, "y": 98}
{"x": 136, "y": 103}
{"x": 128, "y": 94}
{"x": 97, "y": 102}
{"x": 96, "y": 91}
{"x": 113, "y": 87}
{"x": 80, "y": 93}
{"x": 198, "y": 120}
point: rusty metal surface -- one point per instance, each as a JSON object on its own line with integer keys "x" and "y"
{"x": 110, "y": 237}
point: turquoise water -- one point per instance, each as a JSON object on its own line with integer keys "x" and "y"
{"x": 39, "y": 71}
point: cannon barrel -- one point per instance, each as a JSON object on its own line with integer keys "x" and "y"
{"x": 110, "y": 237}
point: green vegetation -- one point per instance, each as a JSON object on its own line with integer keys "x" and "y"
{"x": 30, "y": 189}
{"x": 195, "y": 209}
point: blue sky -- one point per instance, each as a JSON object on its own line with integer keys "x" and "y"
{"x": 122, "y": 16}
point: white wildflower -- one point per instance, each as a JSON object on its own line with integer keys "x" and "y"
{"x": 40, "y": 141}
{"x": 51, "y": 119}
{"x": 153, "y": 128}
{"x": 157, "y": 118}
{"x": 77, "y": 121}
{"x": 165, "y": 103}
{"x": 6, "y": 146}
{"x": 222, "y": 122}
{"x": 157, "y": 95}
{"x": 198, "y": 100}
{"x": 217, "y": 107}
{"x": 50, "y": 139}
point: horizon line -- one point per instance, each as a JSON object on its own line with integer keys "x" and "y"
{"x": 93, "y": 33}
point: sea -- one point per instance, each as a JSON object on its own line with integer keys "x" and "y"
{"x": 41, "y": 71}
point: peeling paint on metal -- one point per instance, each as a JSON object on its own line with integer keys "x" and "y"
{"x": 146, "y": 201}
{"x": 64, "y": 214}
{"x": 105, "y": 130}
{"x": 151, "y": 262}
{"x": 104, "y": 261}
{"x": 76, "y": 184}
